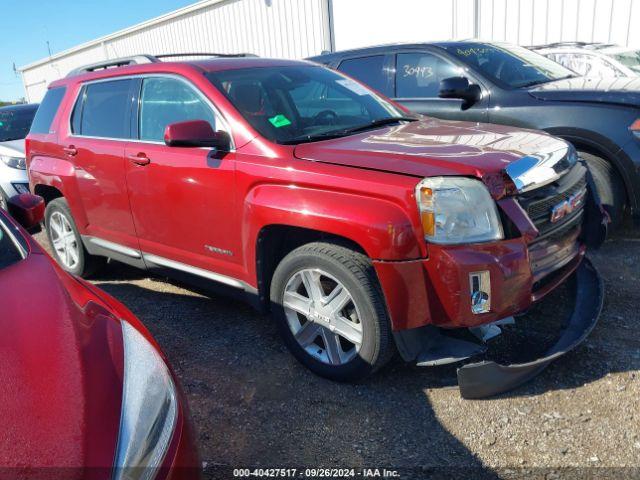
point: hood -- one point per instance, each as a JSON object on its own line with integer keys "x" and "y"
{"x": 13, "y": 148}
{"x": 619, "y": 91}
{"x": 61, "y": 388}
{"x": 434, "y": 147}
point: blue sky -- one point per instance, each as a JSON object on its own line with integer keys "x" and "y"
{"x": 28, "y": 24}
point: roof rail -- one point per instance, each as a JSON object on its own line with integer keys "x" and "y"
{"x": 114, "y": 63}
{"x": 140, "y": 59}
{"x": 196, "y": 54}
{"x": 564, "y": 44}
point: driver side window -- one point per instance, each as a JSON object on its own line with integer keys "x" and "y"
{"x": 418, "y": 75}
{"x": 168, "y": 100}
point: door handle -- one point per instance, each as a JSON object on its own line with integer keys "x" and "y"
{"x": 139, "y": 159}
{"x": 70, "y": 150}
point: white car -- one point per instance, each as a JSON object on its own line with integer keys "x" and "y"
{"x": 15, "y": 122}
{"x": 594, "y": 59}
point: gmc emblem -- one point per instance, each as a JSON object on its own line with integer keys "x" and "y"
{"x": 568, "y": 206}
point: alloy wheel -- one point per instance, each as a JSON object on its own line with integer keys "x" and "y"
{"x": 323, "y": 316}
{"x": 64, "y": 240}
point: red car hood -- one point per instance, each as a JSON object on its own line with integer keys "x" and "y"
{"x": 61, "y": 384}
{"x": 433, "y": 147}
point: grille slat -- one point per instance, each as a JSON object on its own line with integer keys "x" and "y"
{"x": 539, "y": 203}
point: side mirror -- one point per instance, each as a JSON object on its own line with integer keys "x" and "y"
{"x": 196, "y": 133}
{"x": 27, "y": 209}
{"x": 459, "y": 87}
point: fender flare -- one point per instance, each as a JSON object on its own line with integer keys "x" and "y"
{"x": 603, "y": 146}
{"x": 379, "y": 226}
{"x": 61, "y": 175}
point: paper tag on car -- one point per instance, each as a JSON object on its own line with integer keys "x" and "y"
{"x": 355, "y": 87}
{"x": 280, "y": 121}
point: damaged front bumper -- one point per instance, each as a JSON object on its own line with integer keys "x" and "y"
{"x": 487, "y": 378}
{"x": 430, "y": 346}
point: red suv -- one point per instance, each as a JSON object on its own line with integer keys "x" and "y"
{"x": 361, "y": 227}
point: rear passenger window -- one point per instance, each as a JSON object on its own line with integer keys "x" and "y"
{"x": 104, "y": 111}
{"x": 47, "y": 110}
{"x": 418, "y": 75}
{"x": 167, "y": 100}
{"x": 369, "y": 70}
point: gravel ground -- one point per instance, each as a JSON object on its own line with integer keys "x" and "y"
{"x": 253, "y": 405}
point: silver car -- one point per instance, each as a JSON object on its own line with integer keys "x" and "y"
{"x": 599, "y": 60}
{"x": 15, "y": 122}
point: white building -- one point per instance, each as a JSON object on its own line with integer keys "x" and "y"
{"x": 301, "y": 28}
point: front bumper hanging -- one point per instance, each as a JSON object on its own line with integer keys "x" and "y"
{"x": 487, "y": 378}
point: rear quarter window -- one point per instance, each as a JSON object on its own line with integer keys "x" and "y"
{"x": 47, "y": 110}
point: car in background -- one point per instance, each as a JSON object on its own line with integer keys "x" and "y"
{"x": 15, "y": 122}
{"x": 86, "y": 391}
{"x": 361, "y": 227}
{"x": 511, "y": 85}
{"x": 594, "y": 59}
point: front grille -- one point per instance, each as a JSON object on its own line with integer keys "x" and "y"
{"x": 557, "y": 244}
{"x": 539, "y": 203}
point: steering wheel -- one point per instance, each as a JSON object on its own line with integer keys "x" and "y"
{"x": 327, "y": 117}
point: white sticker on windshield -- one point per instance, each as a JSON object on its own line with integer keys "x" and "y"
{"x": 355, "y": 87}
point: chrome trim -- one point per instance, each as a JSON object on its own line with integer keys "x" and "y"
{"x": 165, "y": 262}
{"x": 543, "y": 168}
{"x": 115, "y": 247}
{"x": 198, "y": 92}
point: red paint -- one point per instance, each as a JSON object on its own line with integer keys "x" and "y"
{"x": 359, "y": 187}
{"x": 61, "y": 353}
{"x": 26, "y": 209}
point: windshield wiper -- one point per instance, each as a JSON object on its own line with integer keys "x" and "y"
{"x": 348, "y": 131}
{"x": 549, "y": 80}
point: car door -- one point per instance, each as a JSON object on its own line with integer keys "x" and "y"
{"x": 181, "y": 197}
{"x": 417, "y": 80}
{"x": 95, "y": 144}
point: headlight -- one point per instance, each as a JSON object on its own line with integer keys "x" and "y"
{"x": 19, "y": 163}
{"x": 456, "y": 210}
{"x": 149, "y": 409}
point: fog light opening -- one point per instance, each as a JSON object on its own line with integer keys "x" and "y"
{"x": 480, "y": 287}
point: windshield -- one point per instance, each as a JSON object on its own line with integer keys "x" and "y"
{"x": 15, "y": 122}
{"x": 509, "y": 65}
{"x": 295, "y": 104}
{"x": 9, "y": 253}
{"x": 630, "y": 59}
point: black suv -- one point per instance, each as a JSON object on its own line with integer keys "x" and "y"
{"x": 511, "y": 85}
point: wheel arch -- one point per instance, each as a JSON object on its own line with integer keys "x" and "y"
{"x": 596, "y": 144}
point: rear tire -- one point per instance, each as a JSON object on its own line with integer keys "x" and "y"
{"x": 345, "y": 334}
{"x": 609, "y": 185}
{"x": 66, "y": 242}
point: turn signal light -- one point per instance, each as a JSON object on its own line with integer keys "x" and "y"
{"x": 427, "y": 216}
{"x": 635, "y": 127}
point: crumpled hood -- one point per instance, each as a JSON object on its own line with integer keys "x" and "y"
{"x": 619, "y": 91}
{"x": 12, "y": 148}
{"x": 433, "y": 147}
{"x": 60, "y": 384}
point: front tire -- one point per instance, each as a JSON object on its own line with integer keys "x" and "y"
{"x": 609, "y": 185}
{"x": 66, "y": 242}
{"x": 330, "y": 311}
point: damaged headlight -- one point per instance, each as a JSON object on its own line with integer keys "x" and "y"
{"x": 456, "y": 210}
{"x": 149, "y": 409}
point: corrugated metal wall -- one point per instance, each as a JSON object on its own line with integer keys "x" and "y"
{"x": 273, "y": 28}
{"x": 300, "y": 28}
{"x": 535, "y": 22}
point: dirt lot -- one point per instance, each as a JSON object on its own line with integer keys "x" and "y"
{"x": 254, "y": 405}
